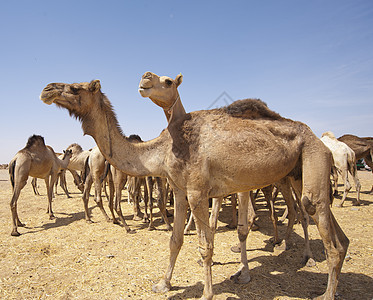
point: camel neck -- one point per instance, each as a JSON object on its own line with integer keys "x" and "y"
{"x": 133, "y": 158}
{"x": 175, "y": 111}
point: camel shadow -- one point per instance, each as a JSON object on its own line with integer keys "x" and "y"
{"x": 278, "y": 276}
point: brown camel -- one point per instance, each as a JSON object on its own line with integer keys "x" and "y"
{"x": 39, "y": 161}
{"x": 186, "y": 153}
{"x": 163, "y": 94}
{"x": 363, "y": 148}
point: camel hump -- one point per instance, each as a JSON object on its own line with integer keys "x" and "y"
{"x": 251, "y": 109}
{"x": 35, "y": 139}
{"x": 75, "y": 145}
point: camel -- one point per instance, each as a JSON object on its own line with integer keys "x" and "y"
{"x": 96, "y": 167}
{"x": 163, "y": 94}
{"x": 186, "y": 154}
{"x": 61, "y": 178}
{"x": 91, "y": 164}
{"x": 363, "y": 148}
{"x": 344, "y": 161}
{"x": 39, "y": 161}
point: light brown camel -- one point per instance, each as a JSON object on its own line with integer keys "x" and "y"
{"x": 363, "y": 148}
{"x": 39, "y": 161}
{"x": 344, "y": 162}
{"x": 163, "y": 94}
{"x": 134, "y": 191}
{"x": 95, "y": 168}
{"x": 186, "y": 153}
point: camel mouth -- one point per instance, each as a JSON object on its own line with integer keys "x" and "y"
{"x": 144, "y": 91}
{"x": 46, "y": 100}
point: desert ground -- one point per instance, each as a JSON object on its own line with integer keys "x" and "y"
{"x": 67, "y": 258}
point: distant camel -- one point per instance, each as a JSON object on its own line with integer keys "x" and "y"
{"x": 95, "y": 164}
{"x": 36, "y": 160}
{"x": 344, "y": 161}
{"x": 205, "y": 155}
{"x": 363, "y": 148}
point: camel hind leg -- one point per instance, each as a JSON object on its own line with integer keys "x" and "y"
{"x": 199, "y": 205}
{"x": 316, "y": 201}
{"x": 347, "y": 186}
{"x": 246, "y": 215}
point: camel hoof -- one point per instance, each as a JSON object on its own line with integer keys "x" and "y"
{"x": 280, "y": 247}
{"x": 231, "y": 226}
{"x": 310, "y": 262}
{"x": 19, "y": 224}
{"x": 236, "y": 248}
{"x": 15, "y": 233}
{"x": 116, "y": 222}
{"x": 137, "y": 218}
{"x": 161, "y": 287}
{"x": 89, "y": 221}
{"x": 52, "y": 217}
{"x": 241, "y": 277}
{"x": 254, "y": 227}
{"x": 321, "y": 297}
{"x": 151, "y": 228}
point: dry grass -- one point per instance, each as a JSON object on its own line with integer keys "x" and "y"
{"x": 67, "y": 258}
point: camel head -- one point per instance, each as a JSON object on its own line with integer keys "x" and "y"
{"x": 162, "y": 90}
{"x": 78, "y": 98}
{"x": 329, "y": 134}
{"x": 67, "y": 154}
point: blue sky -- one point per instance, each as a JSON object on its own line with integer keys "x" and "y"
{"x": 310, "y": 61}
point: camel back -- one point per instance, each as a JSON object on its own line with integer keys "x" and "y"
{"x": 250, "y": 109}
{"x": 32, "y": 140}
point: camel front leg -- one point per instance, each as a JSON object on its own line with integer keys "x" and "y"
{"x": 63, "y": 183}
{"x": 111, "y": 196}
{"x": 267, "y": 191}
{"x": 49, "y": 184}
{"x": 87, "y": 188}
{"x": 304, "y": 219}
{"x": 162, "y": 199}
{"x": 216, "y": 205}
{"x": 246, "y": 215}
{"x": 176, "y": 241}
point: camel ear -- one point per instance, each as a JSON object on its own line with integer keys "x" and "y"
{"x": 94, "y": 86}
{"x": 178, "y": 79}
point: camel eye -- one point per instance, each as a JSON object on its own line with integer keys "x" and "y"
{"x": 74, "y": 90}
{"x": 168, "y": 82}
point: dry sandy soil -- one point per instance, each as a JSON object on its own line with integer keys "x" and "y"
{"x": 67, "y": 258}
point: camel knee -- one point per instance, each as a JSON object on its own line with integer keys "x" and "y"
{"x": 206, "y": 250}
{"x": 308, "y": 205}
{"x": 176, "y": 241}
{"x": 242, "y": 231}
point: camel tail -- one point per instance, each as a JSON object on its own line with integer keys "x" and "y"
{"x": 106, "y": 171}
{"x": 12, "y": 167}
{"x": 86, "y": 171}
